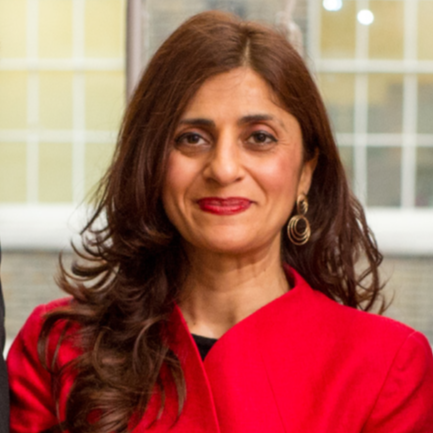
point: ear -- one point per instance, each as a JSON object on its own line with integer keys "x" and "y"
{"x": 307, "y": 172}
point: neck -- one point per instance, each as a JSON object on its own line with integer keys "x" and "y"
{"x": 221, "y": 290}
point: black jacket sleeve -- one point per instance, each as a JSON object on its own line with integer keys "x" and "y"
{"x": 4, "y": 388}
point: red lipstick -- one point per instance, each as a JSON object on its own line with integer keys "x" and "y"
{"x": 224, "y": 206}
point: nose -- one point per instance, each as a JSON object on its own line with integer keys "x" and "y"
{"x": 225, "y": 161}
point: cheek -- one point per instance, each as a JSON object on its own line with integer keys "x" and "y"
{"x": 281, "y": 176}
{"x": 174, "y": 168}
{"x": 178, "y": 180}
{"x": 169, "y": 191}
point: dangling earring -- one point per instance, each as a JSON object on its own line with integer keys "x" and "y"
{"x": 299, "y": 236}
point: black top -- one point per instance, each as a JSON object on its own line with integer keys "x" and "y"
{"x": 4, "y": 388}
{"x": 204, "y": 344}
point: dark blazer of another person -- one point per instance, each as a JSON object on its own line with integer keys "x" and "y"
{"x": 4, "y": 388}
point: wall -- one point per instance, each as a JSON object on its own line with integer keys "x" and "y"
{"x": 27, "y": 279}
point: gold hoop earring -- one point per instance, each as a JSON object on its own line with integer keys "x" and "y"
{"x": 299, "y": 236}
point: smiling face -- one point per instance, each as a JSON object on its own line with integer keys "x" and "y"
{"x": 235, "y": 167}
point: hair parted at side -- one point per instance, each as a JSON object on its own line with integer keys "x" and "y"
{"x": 128, "y": 278}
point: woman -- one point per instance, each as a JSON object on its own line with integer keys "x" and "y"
{"x": 226, "y": 187}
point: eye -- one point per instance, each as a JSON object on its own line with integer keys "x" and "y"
{"x": 261, "y": 138}
{"x": 190, "y": 139}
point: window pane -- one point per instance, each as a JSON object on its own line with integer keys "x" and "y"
{"x": 425, "y": 15}
{"x": 105, "y": 28}
{"x": 104, "y": 108}
{"x": 338, "y": 38}
{"x": 13, "y": 178}
{"x": 13, "y": 100}
{"x": 424, "y": 177}
{"x": 425, "y": 104}
{"x": 13, "y": 28}
{"x": 55, "y": 28}
{"x": 387, "y": 30}
{"x": 265, "y": 11}
{"x": 346, "y": 155}
{"x": 384, "y": 178}
{"x": 385, "y": 103}
{"x": 339, "y": 94}
{"x": 55, "y": 100}
{"x": 98, "y": 156}
{"x": 55, "y": 172}
{"x": 164, "y": 17}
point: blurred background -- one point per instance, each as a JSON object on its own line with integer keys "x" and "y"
{"x": 68, "y": 66}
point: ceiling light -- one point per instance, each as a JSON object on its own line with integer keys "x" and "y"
{"x": 365, "y": 17}
{"x": 332, "y": 5}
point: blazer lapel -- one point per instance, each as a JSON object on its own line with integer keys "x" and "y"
{"x": 198, "y": 414}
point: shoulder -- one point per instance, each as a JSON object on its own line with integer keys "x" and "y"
{"x": 351, "y": 325}
{"x": 380, "y": 342}
{"x": 26, "y": 342}
{"x": 334, "y": 348}
{"x": 33, "y": 406}
{"x": 33, "y": 325}
{"x": 343, "y": 336}
{"x": 39, "y": 312}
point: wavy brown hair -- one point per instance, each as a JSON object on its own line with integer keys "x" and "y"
{"x": 130, "y": 271}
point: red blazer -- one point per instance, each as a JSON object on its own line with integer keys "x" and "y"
{"x": 301, "y": 364}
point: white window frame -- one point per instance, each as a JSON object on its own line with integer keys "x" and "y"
{"x": 406, "y": 230}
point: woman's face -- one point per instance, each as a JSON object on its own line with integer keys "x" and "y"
{"x": 236, "y": 166}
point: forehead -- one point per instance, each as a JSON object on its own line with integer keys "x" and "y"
{"x": 240, "y": 89}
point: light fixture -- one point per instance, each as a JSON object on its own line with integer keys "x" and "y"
{"x": 332, "y": 5}
{"x": 365, "y": 17}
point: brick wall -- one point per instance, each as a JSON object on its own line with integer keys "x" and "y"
{"x": 27, "y": 279}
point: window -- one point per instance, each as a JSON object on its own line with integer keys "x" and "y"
{"x": 62, "y": 87}
{"x": 62, "y": 79}
{"x": 150, "y": 22}
{"x": 374, "y": 62}
{"x": 163, "y": 17}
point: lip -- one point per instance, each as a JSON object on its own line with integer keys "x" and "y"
{"x": 224, "y": 206}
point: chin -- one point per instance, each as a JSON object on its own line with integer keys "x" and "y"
{"x": 230, "y": 245}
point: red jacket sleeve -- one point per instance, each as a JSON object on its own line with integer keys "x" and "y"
{"x": 32, "y": 404}
{"x": 405, "y": 403}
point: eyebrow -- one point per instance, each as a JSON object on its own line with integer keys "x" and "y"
{"x": 198, "y": 122}
{"x": 252, "y": 118}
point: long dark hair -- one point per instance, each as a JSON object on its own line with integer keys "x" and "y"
{"x": 129, "y": 273}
